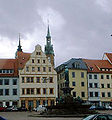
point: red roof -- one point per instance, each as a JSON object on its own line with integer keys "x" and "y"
{"x": 9, "y": 64}
{"x": 109, "y": 55}
{"x": 22, "y": 59}
{"x": 97, "y": 65}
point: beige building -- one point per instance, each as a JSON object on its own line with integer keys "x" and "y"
{"x": 38, "y": 80}
{"x": 77, "y": 78}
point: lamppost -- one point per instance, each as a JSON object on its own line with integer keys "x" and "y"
{"x": 45, "y": 80}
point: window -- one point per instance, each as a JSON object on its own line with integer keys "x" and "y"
{"x": 0, "y": 71}
{"x": 6, "y": 81}
{"x": 6, "y": 91}
{"x": 27, "y": 69}
{"x": 108, "y": 85}
{"x": 102, "y": 77}
{"x": 27, "y": 79}
{"x": 38, "y": 69}
{"x": 82, "y": 83}
{"x": 102, "y": 85}
{"x": 96, "y": 94}
{"x": 14, "y": 81}
{"x": 38, "y": 60}
{"x": 51, "y": 90}
{"x": 91, "y": 94}
{"x": 74, "y": 94}
{"x": 96, "y": 85}
{"x": 38, "y": 79}
{"x": 32, "y": 60}
{"x": 1, "y": 92}
{"x": 23, "y": 91}
{"x": 38, "y": 90}
{"x": 73, "y": 83}
{"x": 38, "y": 53}
{"x": 14, "y": 91}
{"x": 82, "y": 74}
{"x": 95, "y": 76}
{"x": 33, "y": 69}
{"x": 103, "y": 94}
{"x": 44, "y": 91}
{"x": 51, "y": 79}
{"x": 32, "y": 90}
{"x": 43, "y": 61}
{"x": 90, "y": 85}
{"x": 107, "y": 76}
{"x": 1, "y": 82}
{"x": 109, "y": 94}
{"x": 83, "y": 94}
{"x": 28, "y": 91}
{"x": 90, "y": 76}
{"x": 23, "y": 80}
{"x": 49, "y": 69}
{"x": 73, "y": 74}
{"x": 44, "y": 79}
{"x": 44, "y": 69}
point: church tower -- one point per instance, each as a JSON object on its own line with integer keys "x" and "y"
{"x": 49, "y": 48}
{"x": 19, "y": 48}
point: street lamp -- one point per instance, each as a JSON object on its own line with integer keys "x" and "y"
{"x": 44, "y": 80}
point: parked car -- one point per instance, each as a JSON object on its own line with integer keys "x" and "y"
{"x": 108, "y": 107}
{"x": 40, "y": 108}
{"x": 22, "y": 109}
{"x": 100, "y": 108}
{"x": 97, "y": 108}
{"x": 1, "y": 118}
{"x": 99, "y": 117}
{"x": 93, "y": 107}
{"x": 2, "y": 109}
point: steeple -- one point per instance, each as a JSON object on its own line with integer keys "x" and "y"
{"x": 19, "y": 46}
{"x": 49, "y": 47}
{"x": 48, "y": 33}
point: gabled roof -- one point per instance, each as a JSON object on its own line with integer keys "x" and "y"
{"x": 22, "y": 59}
{"x": 9, "y": 64}
{"x": 97, "y": 65}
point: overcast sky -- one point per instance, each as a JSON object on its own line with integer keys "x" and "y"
{"x": 79, "y": 28}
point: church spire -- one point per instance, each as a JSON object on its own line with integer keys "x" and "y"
{"x": 48, "y": 33}
{"x": 19, "y": 46}
{"x": 49, "y": 47}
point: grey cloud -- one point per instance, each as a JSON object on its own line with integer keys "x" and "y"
{"x": 86, "y": 32}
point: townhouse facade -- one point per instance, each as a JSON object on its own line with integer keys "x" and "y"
{"x": 38, "y": 81}
{"x": 77, "y": 78}
{"x": 99, "y": 82}
{"x": 9, "y": 83}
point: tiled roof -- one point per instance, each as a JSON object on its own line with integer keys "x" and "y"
{"x": 109, "y": 55}
{"x": 9, "y": 64}
{"x": 97, "y": 65}
{"x": 22, "y": 59}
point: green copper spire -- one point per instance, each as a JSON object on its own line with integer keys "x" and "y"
{"x": 19, "y": 46}
{"x": 48, "y": 33}
{"x": 48, "y": 46}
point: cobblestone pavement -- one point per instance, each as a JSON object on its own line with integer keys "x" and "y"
{"x": 25, "y": 116}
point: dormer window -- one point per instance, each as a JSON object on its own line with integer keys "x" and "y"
{"x": 91, "y": 68}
